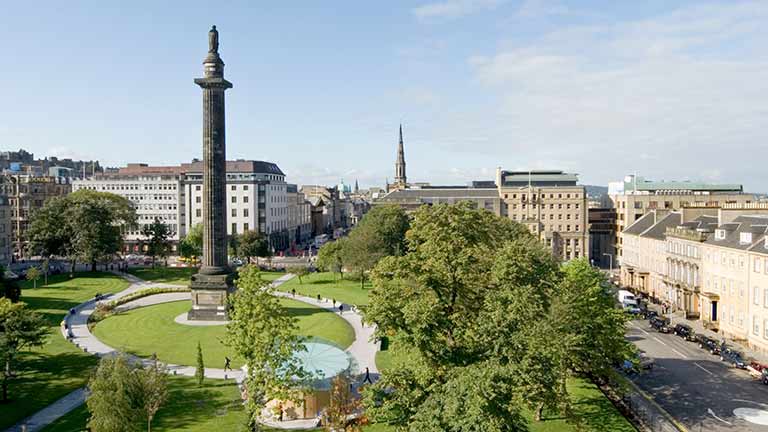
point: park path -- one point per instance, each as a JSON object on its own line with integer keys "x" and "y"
{"x": 363, "y": 350}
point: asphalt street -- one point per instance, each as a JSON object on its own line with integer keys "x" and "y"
{"x": 696, "y": 388}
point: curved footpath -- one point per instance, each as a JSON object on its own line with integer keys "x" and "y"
{"x": 363, "y": 350}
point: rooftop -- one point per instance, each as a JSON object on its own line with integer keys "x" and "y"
{"x": 538, "y": 178}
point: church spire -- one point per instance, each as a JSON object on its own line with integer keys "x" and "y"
{"x": 400, "y": 177}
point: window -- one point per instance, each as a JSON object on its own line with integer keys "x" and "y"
{"x": 234, "y": 187}
{"x": 755, "y": 325}
{"x": 765, "y": 329}
{"x": 745, "y": 238}
{"x": 198, "y": 199}
{"x": 198, "y": 213}
{"x": 756, "y": 295}
{"x": 234, "y": 199}
{"x": 234, "y": 212}
{"x": 198, "y": 187}
{"x": 245, "y": 198}
{"x": 245, "y": 225}
{"x": 234, "y": 228}
{"x": 719, "y": 234}
{"x": 758, "y": 263}
{"x": 245, "y": 212}
{"x": 245, "y": 187}
{"x": 765, "y": 298}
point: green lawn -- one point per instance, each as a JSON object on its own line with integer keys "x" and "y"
{"x": 59, "y": 367}
{"x": 180, "y": 275}
{"x": 329, "y": 285}
{"x": 152, "y": 329}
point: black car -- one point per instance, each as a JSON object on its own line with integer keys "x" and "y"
{"x": 765, "y": 376}
{"x": 707, "y": 343}
{"x": 660, "y": 324}
{"x": 733, "y": 357}
{"x": 685, "y": 332}
{"x": 649, "y": 314}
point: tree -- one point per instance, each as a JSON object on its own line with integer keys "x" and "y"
{"x": 252, "y": 244}
{"x": 45, "y": 267}
{"x": 20, "y": 329}
{"x": 33, "y": 274}
{"x": 157, "y": 234}
{"x": 153, "y": 385}
{"x": 381, "y": 233}
{"x": 85, "y": 225}
{"x": 125, "y": 395}
{"x": 330, "y": 257}
{"x": 192, "y": 244}
{"x": 113, "y": 399}
{"x": 592, "y": 328}
{"x": 342, "y": 405}
{"x": 470, "y": 296}
{"x": 299, "y": 270}
{"x": 263, "y": 334}
{"x": 200, "y": 370}
{"x": 9, "y": 288}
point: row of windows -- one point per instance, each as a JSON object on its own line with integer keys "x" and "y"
{"x": 683, "y": 249}
{"x": 543, "y": 196}
{"x": 544, "y": 206}
{"x": 148, "y": 186}
{"x": 756, "y": 327}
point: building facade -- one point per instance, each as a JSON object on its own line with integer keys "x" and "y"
{"x": 257, "y": 199}
{"x": 26, "y": 194}
{"x": 635, "y": 196}
{"x": 551, "y": 205}
{"x": 602, "y": 226}
{"x": 6, "y": 252}
{"x": 155, "y": 193}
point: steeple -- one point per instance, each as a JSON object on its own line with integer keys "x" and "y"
{"x": 357, "y": 187}
{"x": 400, "y": 177}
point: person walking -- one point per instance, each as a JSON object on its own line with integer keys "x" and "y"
{"x": 227, "y": 364}
{"x": 341, "y": 309}
{"x": 367, "y": 377}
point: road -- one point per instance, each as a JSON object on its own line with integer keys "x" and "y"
{"x": 697, "y": 388}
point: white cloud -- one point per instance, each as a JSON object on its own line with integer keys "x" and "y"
{"x": 682, "y": 89}
{"x": 453, "y": 8}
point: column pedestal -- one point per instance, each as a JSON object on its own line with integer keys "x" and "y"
{"x": 210, "y": 296}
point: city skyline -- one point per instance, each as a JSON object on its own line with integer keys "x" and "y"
{"x": 593, "y": 88}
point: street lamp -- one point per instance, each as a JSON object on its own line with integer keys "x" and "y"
{"x": 610, "y": 262}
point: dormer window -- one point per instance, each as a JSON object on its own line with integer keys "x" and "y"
{"x": 719, "y": 234}
{"x": 745, "y": 238}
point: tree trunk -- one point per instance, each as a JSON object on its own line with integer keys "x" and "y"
{"x": 6, "y": 375}
{"x": 73, "y": 264}
{"x": 93, "y": 266}
{"x": 539, "y": 410}
{"x": 362, "y": 280}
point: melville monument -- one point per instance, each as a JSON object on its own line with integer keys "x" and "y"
{"x": 214, "y": 282}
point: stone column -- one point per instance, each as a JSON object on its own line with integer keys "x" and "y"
{"x": 212, "y": 285}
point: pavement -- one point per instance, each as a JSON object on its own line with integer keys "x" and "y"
{"x": 696, "y": 388}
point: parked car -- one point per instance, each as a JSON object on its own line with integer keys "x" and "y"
{"x": 765, "y": 376}
{"x": 733, "y": 357}
{"x": 648, "y": 314}
{"x": 685, "y": 332}
{"x": 707, "y": 343}
{"x": 660, "y": 324}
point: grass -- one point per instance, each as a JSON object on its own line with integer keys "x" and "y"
{"x": 57, "y": 368}
{"x": 152, "y": 329}
{"x": 329, "y": 285}
{"x": 180, "y": 275}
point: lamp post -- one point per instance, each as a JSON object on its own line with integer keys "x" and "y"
{"x": 610, "y": 262}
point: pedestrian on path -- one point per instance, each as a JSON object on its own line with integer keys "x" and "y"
{"x": 334, "y": 302}
{"x": 293, "y": 291}
{"x": 318, "y": 298}
{"x": 367, "y": 377}
{"x": 341, "y": 309}
{"x": 227, "y": 364}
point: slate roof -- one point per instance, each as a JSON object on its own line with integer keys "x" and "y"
{"x": 640, "y": 225}
{"x": 657, "y": 231}
{"x": 757, "y": 225}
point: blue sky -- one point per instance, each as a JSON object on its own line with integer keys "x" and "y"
{"x": 671, "y": 90}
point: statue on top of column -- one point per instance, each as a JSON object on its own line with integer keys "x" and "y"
{"x": 213, "y": 40}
